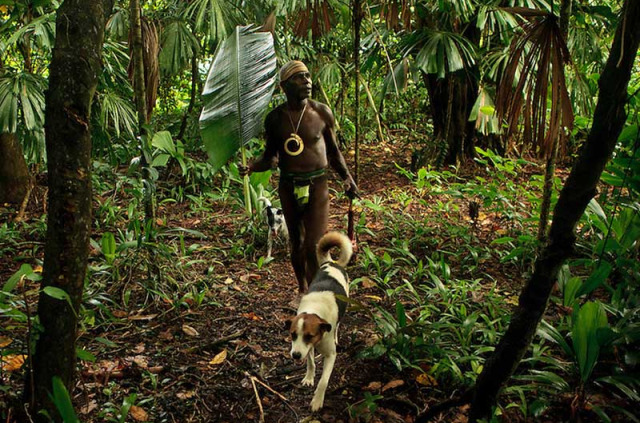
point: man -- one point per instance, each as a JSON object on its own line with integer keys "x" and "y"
{"x": 301, "y": 140}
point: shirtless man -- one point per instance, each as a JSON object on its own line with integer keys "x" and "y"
{"x": 301, "y": 140}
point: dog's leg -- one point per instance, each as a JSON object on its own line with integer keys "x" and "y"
{"x": 269, "y": 244}
{"x": 327, "y": 367}
{"x": 336, "y": 333}
{"x": 311, "y": 369}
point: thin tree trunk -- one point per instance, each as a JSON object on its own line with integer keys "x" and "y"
{"x": 357, "y": 22}
{"x": 137, "y": 57}
{"x": 192, "y": 101}
{"x": 580, "y": 187}
{"x": 73, "y": 76}
{"x": 14, "y": 173}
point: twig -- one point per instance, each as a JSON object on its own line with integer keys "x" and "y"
{"x": 29, "y": 333}
{"x": 23, "y": 205}
{"x": 278, "y": 394}
{"x": 282, "y": 397}
{"x": 255, "y": 391}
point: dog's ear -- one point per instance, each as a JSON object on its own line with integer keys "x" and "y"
{"x": 287, "y": 325}
{"x": 325, "y": 327}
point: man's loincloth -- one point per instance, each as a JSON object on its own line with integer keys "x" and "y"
{"x": 302, "y": 182}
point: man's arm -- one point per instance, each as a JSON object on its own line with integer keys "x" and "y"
{"x": 269, "y": 158}
{"x": 335, "y": 157}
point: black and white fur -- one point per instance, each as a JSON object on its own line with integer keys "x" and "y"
{"x": 315, "y": 327}
{"x": 276, "y": 223}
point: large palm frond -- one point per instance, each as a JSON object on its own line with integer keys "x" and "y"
{"x": 209, "y": 17}
{"x": 41, "y": 31}
{"x": 444, "y": 52}
{"x": 179, "y": 45}
{"x": 117, "y": 113}
{"x": 21, "y": 94}
{"x": 237, "y": 92}
{"x": 542, "y": 54}
{"x": 118, "y": 24}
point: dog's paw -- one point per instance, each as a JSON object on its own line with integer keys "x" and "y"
{"x": 317, "y": 402}
{"x": 307, "y": 381}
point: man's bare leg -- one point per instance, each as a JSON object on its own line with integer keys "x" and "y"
{"x": 315, "y": 220}
{"x": 296, "y": 233}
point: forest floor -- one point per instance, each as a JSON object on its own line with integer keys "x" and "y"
{"x": 226, "y": 359}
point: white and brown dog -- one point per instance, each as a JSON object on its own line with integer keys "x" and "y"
{"x": 315, "y": 326}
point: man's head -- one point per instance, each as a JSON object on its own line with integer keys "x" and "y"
{"x": 295, "y": 79}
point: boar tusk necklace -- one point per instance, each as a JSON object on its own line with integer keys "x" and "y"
{"x": 294, "y": 145}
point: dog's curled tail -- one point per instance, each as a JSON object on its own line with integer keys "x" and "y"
{"x": 331, "y": 240}
{"x": 265, "y": 201}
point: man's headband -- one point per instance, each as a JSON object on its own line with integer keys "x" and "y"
{"x": 291, "y": 68}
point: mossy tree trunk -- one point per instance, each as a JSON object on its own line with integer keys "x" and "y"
{"x": 580, "y": 187}
{"x": 73, "y": 76}
{"x": 14, "y": 173}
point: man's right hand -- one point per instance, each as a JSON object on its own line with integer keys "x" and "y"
{"x": 243, "y": 170}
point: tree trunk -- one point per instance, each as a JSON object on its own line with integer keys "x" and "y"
{"x": 451, "y": 99}
{"x": 14, "y": 174}
{"x": 195, "y": 77}
{"x": 580, "y": 187}
{"x": 137, "y": 58}
{"x": 73, "y": 76}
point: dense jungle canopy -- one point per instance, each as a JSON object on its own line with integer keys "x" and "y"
{"x": 497, "y": 231}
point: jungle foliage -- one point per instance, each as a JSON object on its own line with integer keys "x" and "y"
{"x": 441, "y": 259}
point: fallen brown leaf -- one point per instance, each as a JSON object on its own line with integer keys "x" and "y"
{"x": 373, "y": 386}
{"x": 190, "y": 330}
{"x": 12, "y": 362}
{"x": 138, "y": 413}
{"x": 392, "y": 384}
{"x": 219, "y": 358}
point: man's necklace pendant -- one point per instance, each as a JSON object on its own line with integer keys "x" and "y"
{"x": 293, "y": 145}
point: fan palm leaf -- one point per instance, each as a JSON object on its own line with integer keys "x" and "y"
{"x": 178, "y": 47}
{"x": 21, "y": 93}
{"x": 209, "y": 17}
{"x": 444, "y": 52}
{"x": 237, "y": 92}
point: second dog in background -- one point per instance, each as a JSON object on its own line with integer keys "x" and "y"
{"x": 275, "y": 222}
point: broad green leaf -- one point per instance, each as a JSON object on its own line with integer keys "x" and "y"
{"x": 586, "y": 322}
{"x": 57, "y": 293}
{"x": 597, "y": 278}
{"x": 163, "y": 141}
{"x": 62, "y": 401}
{"x": 237, "y": 92}
{"x": 24, "y": 270}
{"x": 85, "y": 355}
{"x": 109, "y": 247}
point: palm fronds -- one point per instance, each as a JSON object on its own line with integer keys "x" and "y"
{"x": 21, "y": 93}
{"x": 179, "y": 45}
{"x": 533, "y": 77}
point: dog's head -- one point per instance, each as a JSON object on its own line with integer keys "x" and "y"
{"x": 306, "y": 330}
{"x": 275, "y": 219}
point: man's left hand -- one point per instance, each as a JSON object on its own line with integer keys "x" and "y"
{"x": 352, "y": 189}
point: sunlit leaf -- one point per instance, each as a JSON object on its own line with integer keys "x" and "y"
{"x": 237, "y": 92}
